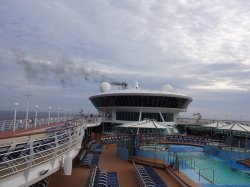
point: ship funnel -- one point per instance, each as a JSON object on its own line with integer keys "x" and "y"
{"x": 124, "y": 85}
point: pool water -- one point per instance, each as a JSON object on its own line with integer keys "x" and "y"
{"x": 212, "y": 170}
{"x": 157, "y": 147}
{"x": 184, "y": 148}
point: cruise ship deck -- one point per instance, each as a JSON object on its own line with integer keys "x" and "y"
{"x": 110, "y": 162}
{"x": 136, "y": 139}
{"x": 108, "y": 159}
{"x": 66, "y": 143}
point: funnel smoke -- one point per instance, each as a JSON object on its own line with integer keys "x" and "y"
{"x": 64, "y": 70}
{"x": 124, "y": 85}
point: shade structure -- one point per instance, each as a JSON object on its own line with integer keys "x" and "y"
{"x": 236, "y": 127}
{"x": 93, "y": 124}
{"x": 217, "y": 125}
{"x": 149, "y": 124}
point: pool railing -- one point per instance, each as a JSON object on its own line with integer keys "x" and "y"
{"x": 206, "y": 177}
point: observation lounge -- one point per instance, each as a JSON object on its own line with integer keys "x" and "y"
{"x": 125, "y": 105}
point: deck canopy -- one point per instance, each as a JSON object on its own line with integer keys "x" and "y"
{"x": 148, "y": 125}
{"x": 217, "y": 124}
{"x": 219, "y": 127}
{"x": 236, "y": 127}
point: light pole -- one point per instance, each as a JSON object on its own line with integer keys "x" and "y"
{"x": 37, "y": 106}
{"x": 16, "y": 104}
{"x": 65, "y": 111}
{"x": 58, "y": 111}
{"x": 27, "y": 109}
{"x": 49, "y": 114}
{"x": 69, "y": 112}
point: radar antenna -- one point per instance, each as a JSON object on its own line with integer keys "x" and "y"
{"x": 199, "y": 116}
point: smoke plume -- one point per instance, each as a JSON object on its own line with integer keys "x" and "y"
{"x": 64, "y": 70}
{"x": 124, "y": 85}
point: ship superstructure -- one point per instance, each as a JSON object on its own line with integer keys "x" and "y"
{"x": 134, "y": 104}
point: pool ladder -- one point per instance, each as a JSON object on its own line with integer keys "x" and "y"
{"x": 206, "y": 177}
{"x": 192, "y": 166}
{"x": 172, "y": 157}
{"x": 192, "y": 163}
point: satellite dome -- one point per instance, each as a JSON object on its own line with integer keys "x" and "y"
{"x": 167, "y": 88}
{"x": 105, "y": 87}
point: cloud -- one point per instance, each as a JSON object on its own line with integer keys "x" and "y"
{"x": 218, "y": 86}
{"x": 194, "y": 46}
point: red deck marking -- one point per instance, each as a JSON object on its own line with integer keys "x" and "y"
{"x": 28, "y": 131}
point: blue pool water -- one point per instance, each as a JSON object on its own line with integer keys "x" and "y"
{"x": 206, "y": 169}
{"x": 184, "y": 148}
{"x": 158, "y": 147}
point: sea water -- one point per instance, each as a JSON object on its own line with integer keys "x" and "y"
{"x": 9, "y": 115}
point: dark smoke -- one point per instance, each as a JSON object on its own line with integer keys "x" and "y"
{"x": 64, "y": 70}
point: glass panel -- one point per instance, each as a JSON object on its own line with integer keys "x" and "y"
{"x": 140, "y": 101}
{"x": 127, "y": 116}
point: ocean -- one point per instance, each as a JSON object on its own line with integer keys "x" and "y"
{"x": 8, "y": 115}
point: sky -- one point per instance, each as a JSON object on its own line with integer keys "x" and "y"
{"x": 59, "y": 51}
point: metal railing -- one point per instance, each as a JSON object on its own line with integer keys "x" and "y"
{"x": 184, "y": 163}
{"x": 8, "y": 125}
{"x": 141, "y": 179}
{"x": 33, "y": 155}
{"x": 92, "y": 177}
{"x": 177, "y": 161}
{"x": 206, "y": 177}
{"x": 171, "y": 157}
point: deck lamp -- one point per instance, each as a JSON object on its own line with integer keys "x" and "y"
{"x": 37, "y": 106}
{"x": 65, "y": 112}
{"x": 49, "y": 114}
{"x": 58, "y": 113}
{"x": 16, "y": 104}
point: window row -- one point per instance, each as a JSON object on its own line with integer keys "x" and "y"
{"x": 134, "y": 116}
{"x": 140, "y": 101}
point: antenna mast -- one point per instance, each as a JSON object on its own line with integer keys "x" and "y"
{"x": 27, "y": 109}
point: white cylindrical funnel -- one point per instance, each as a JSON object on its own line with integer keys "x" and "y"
{"x": 67, "y": 165}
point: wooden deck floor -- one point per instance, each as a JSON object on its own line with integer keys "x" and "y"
{"x": 109, "y": 162}
{"x": 245, "y": 162}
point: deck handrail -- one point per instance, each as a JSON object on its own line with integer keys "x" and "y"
{"x": 138, "y": 173}
{"x": 8, "y": 125}
{"x": 63, "y": 142}
{"x": 92, "y": 177}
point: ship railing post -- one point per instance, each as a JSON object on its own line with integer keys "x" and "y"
{"x": 30, "y": 160}
{"x": 70, "y": 139}
{"x": 57, "y": 145}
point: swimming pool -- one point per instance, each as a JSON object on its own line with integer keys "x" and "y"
{"x": 206, "y": 169}
{"x": 157, "y": 147}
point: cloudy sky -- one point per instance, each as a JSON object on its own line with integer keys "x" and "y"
{"x": 61, "y": 50}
